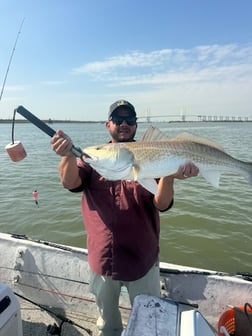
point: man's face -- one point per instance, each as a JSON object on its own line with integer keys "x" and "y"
{"x": 122, "y": 127}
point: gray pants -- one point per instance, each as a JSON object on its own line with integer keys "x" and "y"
{"x": 107, "y": 292}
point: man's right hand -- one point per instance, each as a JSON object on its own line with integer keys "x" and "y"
{"x": 61, "y": 143}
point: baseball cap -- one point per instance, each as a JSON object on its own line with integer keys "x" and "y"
{"x": 121, "y": 103}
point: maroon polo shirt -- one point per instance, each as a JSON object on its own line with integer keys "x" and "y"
{"x": 122, "y": 226}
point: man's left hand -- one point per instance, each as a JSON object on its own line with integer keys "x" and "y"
{"x": 187, "y": 170}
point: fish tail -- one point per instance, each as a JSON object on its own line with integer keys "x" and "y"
{"x": 249, "y": 174}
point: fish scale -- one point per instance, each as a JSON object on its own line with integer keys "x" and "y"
{"x": 196, "y": 152}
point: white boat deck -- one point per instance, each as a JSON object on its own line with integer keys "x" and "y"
{"x": 35, "y": 322}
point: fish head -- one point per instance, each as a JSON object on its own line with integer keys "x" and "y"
{"x": 113, "y": 161}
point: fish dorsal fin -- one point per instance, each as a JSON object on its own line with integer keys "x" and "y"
{"x": 153, "y": 134}
{"x": 193, "y": 138}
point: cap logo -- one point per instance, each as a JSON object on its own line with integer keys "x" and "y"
{"x": 121, "y": 102}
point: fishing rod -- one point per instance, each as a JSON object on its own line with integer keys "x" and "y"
{"x": 12, "y": 53}
{"x": 16, "y": 150}
{"x": 54, "y": 329}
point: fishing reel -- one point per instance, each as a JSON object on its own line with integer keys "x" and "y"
{"x": 54, "y": 329}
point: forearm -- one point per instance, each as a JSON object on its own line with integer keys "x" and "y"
{"x": 68, "y": 169}
{"x": 164, "y": 196}
{"x": 69, "y": 172}
{"x": 165, "y": 193}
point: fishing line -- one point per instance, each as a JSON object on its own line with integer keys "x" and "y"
{"x": 15, "y": 149}
{"x": 44, "y": 275}
{"x": 9, "y": 64}
{"x": 50, "y": 291}
{"x": 65, "y": 295}
{"x": 13, "y": 127}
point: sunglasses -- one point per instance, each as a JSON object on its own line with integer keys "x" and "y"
{"x": 131, "y": 121}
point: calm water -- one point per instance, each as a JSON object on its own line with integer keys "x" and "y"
{"x": 207, "y": 227}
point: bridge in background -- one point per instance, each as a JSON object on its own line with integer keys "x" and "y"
{"x": 193, "y": 117}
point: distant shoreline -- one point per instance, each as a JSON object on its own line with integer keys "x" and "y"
{"x": 51, "y": 122}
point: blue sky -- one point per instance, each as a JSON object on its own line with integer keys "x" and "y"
{"x": 74, "y": 58}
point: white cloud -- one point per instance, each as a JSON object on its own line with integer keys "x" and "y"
{"x": 173, "y": 66}
{"x": 15, "y": 88}
{"x": 135, "y": 59}
{"x": 53, "y": 83}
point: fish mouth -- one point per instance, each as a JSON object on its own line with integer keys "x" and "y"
{"x": 87, "y": 156}
{"x": 90, "y": 159}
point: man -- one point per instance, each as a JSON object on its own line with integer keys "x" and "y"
{"x": 121, "y": 220}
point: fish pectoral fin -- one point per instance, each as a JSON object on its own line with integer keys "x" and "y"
{"x": 135, "y": 172}
{"x": 149, "y": 184}
{"x": 213, "y": 177}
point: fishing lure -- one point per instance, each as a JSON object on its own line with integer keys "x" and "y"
{"x": 35, "y": 196}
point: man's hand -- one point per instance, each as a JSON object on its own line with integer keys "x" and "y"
{"x": 61, "y": 144}
{"x": 187, "y": 170}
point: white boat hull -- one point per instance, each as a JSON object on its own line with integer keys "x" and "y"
{"x": 57, "y": 276}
